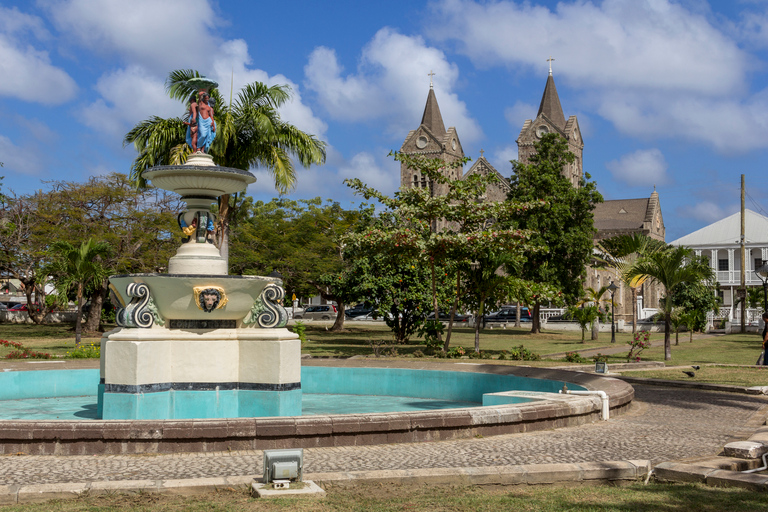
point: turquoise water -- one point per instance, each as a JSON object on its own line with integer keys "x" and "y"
{"x": 84, "y": 407}
{"x": 70, "y": 394}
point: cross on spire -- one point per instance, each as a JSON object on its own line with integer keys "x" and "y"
{"x": 550, "y": 59}
{"x": 430, "y": 75}
{"x": 481, "y": 153}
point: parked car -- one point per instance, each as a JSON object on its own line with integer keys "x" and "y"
{"x": 446, "y": 317}
{"x": 358, "y": 310}
{"x": 322, "y": 312}
{"x": 508, "y": 315}
{"x": 18, "y": 307}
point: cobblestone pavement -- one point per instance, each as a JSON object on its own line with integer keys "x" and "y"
{"x": 664, "y": 424}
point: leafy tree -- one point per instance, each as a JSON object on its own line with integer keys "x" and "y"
{"x": 302, "y": 241}
{"x": 473, "y": 231}
{"x": 563, "y": 224}
{"x": 671, "y": 267}
{"x": 595, "y": 298}
{"x": 139, "y": 225}
{"x": 78, "y": 269}
{"x": 249, "y": 133}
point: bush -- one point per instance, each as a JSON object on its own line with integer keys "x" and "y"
{"x": 575, "y": 357}
{"x": 431, "y": 330}
{"x": 522, "y": 354}
{"x": 300, "y": 329}
{"x": 91, "y": 351}
{"x": 418, "y": 353}
{"x": 455, "y": 353}
{"x": 476, "y": 355}
{"x": 23, "y": 352}
{"x": 503, "y": 356}
{"x": 600, "y": 358}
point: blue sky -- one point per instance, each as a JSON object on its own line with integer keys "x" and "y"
{"x": 667, "y": 93}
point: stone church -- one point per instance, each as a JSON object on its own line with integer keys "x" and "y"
{"x": 612, "y": 218}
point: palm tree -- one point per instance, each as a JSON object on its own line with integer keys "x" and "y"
{"x": 670, "y": 267}
{"x": 249, "y": 133}
{"x": 595, "y": 298}
{"x": 79, "y": 269}
{"x": 620, "y": 253}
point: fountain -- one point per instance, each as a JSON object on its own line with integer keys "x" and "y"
{"x": 196, "y": 342}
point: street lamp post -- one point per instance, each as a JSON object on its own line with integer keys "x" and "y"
{"x": 762, "y": 273}
{"x": 612, "y": 288}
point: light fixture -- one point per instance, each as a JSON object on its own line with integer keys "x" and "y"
{"x": 612, "y": 288}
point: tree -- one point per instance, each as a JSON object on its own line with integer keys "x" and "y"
{"x": 585, "y": 315}
{"x": 473, "y": 231}
{"x": 671, "y": 267}
{"x": 249, "y": 133}
{"x": 563, "y": 224}
{"x": 595, "y": 298}
{"x": 78, "y": 269}
{"x": 620, "y": 253}
{"x": 302, "y": 240}
{"x": 139, "y": 225}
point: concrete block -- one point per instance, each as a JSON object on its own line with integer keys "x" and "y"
{"x": 617, "y": 470}
{"x": 551, "y": 473}
{"x": 751, "y": 481}
{"x": 123, "y": 486}
{"x": 193, "y": 485}
{"x": 7, "y": 495}
{"x": 745, "y": 449}
{"x": 45, "y": 492}
{"x": 676, "y": 472}
{"x": 309, "y": 489}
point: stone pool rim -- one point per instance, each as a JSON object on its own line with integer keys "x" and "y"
{"x": 73, "y": 437}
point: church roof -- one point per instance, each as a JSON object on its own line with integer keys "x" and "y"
{"x": 482, "y": 167}
{"x": 728, "y": 231}
{"x": 621, "y": 214}
{"x": 432, "y": 118}
{"x": 550, "y": 104}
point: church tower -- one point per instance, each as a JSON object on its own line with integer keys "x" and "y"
{"x": 551, "y": 119}
{"x": 431, "y": 140}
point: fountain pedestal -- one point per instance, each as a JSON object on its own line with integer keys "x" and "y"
{"x": 197, "y": 343}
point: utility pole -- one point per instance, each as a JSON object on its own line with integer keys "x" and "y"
{"x": 743, "y": 290}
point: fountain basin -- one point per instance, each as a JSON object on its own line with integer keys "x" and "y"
{"x": 168, "y": 436}
{"x": 174, "y": 295}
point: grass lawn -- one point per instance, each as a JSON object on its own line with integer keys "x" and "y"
{"x": 375, "y": 498}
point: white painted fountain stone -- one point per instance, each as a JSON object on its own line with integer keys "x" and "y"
{"x": 196, "y": 342}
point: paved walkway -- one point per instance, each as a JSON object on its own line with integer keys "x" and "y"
{"x": 663, "y": 424}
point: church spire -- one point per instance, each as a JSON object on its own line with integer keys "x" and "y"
{"x": 432, "y": 118}
{"x": 550, "y": 102}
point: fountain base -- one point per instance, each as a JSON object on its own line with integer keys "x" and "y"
{"x": 199, "y": 373}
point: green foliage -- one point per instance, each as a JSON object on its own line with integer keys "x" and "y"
{"x": 600, "y": 358}
{"x": 455, "y": 353}
{"x": 584, "y": 315}
{"x": 674, "y": 268}
{"x": 300, "y": 329}
{"x": 563, "y": 224}
{"x": 430, "y": 331}
{"x": 91, "y": 351}
{"x": 520, "y": 353}
{"x": 575, "y": 357}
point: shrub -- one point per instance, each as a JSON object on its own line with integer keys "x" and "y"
{"x": 600, "y": 358}
{"x": 300, "y": 329}
{"x": 476, "y": 355}
{"x": 522, "y": 354}
{"x": 418, "y": 353}
{"x": 575, "y": 357}
{"x": 431, "y": 330}
{"x": 455, "y": 352}
{"x": 640, "y": 342}
{"x": 503, "y": 356}
{"x": 23, "y": 352}
{"x": 91, "y": 351}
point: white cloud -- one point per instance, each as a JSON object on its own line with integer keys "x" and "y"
{"x": 27, "y": 72}
{"x": 642, "y": 167}
{"x": 390, "y": 84}
{"x": 381, "y": 174}
{"x": 231, "y": 68}
{"x": 706, "y": 211}
{"x": 170, "y": 34}
{"x": 20, "y": 159}
{"x": 128, "y": 96}
{"x": 501, "y": 159}
{"x": 651, "y": 67}
{"x": 641, "y": 44}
